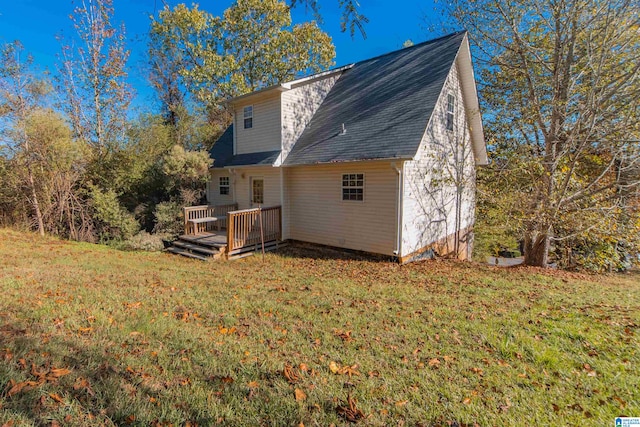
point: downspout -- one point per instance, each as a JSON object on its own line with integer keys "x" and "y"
{"x": 399, "y": 201}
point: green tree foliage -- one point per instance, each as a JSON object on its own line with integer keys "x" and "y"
{"x": 186, "y": 173}
{"x": 60, "y": 165}
{"x": 21, "y": 93}
{"x": 112, "y": 220}
{"x": 253, "y": 45}
{"x": 559, "y": 77}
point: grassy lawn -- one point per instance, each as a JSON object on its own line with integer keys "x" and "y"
{"x": 94, "y": 336}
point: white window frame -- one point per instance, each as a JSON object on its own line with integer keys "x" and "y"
{"x": 226, "y": 185}
{"x": 247, "y": 114}
{"x": 450, "y": 113}
{"x": 353, "y": 183}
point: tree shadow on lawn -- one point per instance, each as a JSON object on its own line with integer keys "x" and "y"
{"x": 305, "y": 250}
{"x": 48, "y": 379}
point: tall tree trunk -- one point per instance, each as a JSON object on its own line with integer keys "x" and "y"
{"x": 536, "y": 247}
{"x": 34, "y": 202}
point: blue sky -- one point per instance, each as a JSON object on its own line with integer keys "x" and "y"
{"x": 36, "y": 23}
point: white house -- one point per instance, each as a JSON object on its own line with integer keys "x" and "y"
{"x": 377, "y": 156}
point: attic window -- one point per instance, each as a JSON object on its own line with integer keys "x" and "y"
{"x": 451, "y": 105}
{"x": 248, "y": 117}
{"x": 224, "y": 185}
{"x": 353, "y": 186}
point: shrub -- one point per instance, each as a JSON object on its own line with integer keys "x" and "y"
{"x": 144, "y": 241}
{"x": 113, "y": 221}
{"x": 168, "y": 218}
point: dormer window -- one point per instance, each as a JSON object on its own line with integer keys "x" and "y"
{"x": 248, "y": 117}
{"x": 451, "y": 106}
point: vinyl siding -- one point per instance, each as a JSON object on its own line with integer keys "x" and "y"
{"x": 319, "y": 215}
{"x": 242, "y": 182}
{"x": 298, "y": 107}
{"x": 266, "y": 131}
{"x": 444, "y": 163}
{"x": 213, "y": 188}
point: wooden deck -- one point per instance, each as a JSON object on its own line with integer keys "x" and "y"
{"x": 214, "y": 240}
{"x": 212, "y": 232}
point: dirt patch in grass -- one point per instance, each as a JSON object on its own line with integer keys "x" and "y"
{"x": 93, "y": 336}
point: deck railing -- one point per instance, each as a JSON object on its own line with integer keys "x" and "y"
{"x": 206, "y": 211}
{"x": 250, "y": 226}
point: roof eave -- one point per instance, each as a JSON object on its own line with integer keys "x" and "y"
{"x": 258, "y": 93}
{"x": 338, "y": 162}
{"x": 472, "y": 105}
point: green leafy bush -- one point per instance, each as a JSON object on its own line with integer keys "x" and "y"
{"x": 169, "y": 218}
{"x": 112, "y": 220}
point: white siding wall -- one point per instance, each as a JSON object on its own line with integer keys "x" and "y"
{"x": 319, "y": 215}
{"x": 242, "y": 182}
{"x": 298, "y": 107}
{"x": 443, "y": 168}
{"x": 213, "y": 188}
{"x": 266, "y": 131}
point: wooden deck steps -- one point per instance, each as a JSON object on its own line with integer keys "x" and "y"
{"x": 211, "y": 246}
{"x": 195, "y": 248}
{"x": 204, "y": 247}
{"x": 184, "y": 252}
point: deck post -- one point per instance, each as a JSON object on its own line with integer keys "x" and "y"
{"x": 186, "y": 220}
{"x": 230, "y": 231}
{"x": 280, "y": 223}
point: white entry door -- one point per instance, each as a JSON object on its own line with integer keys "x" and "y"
{"x": 257, "y": 191}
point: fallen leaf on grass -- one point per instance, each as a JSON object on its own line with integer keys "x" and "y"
{"x": 8, "y": 424}
{"x": 622, "y": 403}
{"x": 344, "y": 370}
{"x": 506, "y": 406}
{"x": 435, "y": 362}
{"x": 401, "y": 403}
{"x": 301, "y": 396}
{"x": 16, "y": 388}
{"x": 83, "y": 384}
{"x": 477, "y": 371}
{"x": 290, "y": 374}
{"x": 253, "y": 384}
{"x": 56, "y": 397}
{"x": 349, "y": 411}
{"x": 590, "y": 371}
{"x": 58, "y": 372}
{"x": 344, "y": 335}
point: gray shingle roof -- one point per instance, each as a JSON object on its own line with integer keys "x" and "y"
{"x": 222, "y": 150}
{"x": 385, "y": 104}
{"x": 222, "y": 153}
